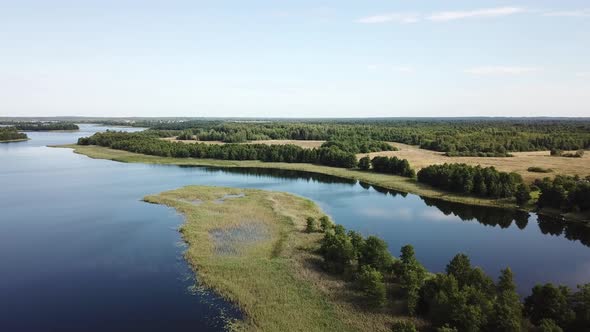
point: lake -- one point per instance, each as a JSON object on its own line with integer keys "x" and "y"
{"x": 79, "y": 250}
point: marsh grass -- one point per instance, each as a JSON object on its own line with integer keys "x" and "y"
{"x": 267, "y": 264}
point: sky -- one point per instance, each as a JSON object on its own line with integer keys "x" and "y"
{"x": 341, "y": 58}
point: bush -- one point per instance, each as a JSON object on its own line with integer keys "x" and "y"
{"x": 325, "y": 223}
{"x": 403, "y": 326}
{"x": 370, "y": 282}
{"x": 536, "y": 169}
{"x": 365, "y": 163}
{"x": 548, "y": 325}
{"x": 311, "y": 225}
{"x": 523, "y": 194}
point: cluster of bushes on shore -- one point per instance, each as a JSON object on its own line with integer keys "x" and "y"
{"x": 463, "y": 298}
{"x": 147, "y": 144}
{"x": 11, "y": 133}
{"x": 388, "y": 165}
{"x": 476, "y": 180}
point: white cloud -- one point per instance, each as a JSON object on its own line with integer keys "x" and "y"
{"x": 404, "y": 18}
{"x": 569, "y": 13}
{"x": 479, "y": 13}
{"x": 583, "y": 74}
{"x": 501, "y": 70}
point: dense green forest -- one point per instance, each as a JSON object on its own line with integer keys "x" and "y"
{"x": 463, "y": 298}
{"x": 566, "y": 193}
{"x": 43, "y": 126}
{"x": 148, "y": 144}
{"x": 11, "y": 133}
{"x": 462, "y": 178}
{"x": 455, "y": 137}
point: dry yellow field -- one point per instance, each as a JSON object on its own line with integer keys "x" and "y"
{"x": 303, "y": 144}
{"x": 420, "y": 158}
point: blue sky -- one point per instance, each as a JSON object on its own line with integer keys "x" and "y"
{"x": 295, "y": 58}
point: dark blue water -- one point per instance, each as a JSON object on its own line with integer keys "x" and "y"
{"x": 79, "y": 250}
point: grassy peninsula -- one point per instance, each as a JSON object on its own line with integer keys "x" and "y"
{"x": 383, "y": 180}
{"x": 250, "y": 246}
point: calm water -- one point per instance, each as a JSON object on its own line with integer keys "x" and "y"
{"x": 80, "y": 251}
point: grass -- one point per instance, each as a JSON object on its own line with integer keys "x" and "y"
{"x": 383, "y": 180}
{"x": 253, "y": 250}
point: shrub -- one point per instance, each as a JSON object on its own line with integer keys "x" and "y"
{"x": 365, "y": 163}
{"x": 311, "y": 225}
{"x": 325, "y": 223}
{"x": 370, "y": 282}
{"x": 536, "y": 169}
{"x": 403, "y": 326}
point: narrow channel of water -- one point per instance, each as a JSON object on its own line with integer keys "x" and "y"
{"x": 79, "y": 250}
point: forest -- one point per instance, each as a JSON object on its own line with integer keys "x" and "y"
{"x": 564, "y": 193}
{"x": 43, "y": 126}
{"x": 455, "y": 137}
{"x": 10, "y": 134}
{"x": 463, "y": 298}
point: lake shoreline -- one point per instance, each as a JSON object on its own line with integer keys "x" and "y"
{"x": 382, "y": 180}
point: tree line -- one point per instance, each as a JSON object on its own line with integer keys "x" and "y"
{"x": 43, "y": 126}
{"x": 463, "y": 298}
{"x": 147, "y": 144}
{"x": 11, "y": 133}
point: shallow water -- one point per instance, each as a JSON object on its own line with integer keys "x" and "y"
{"x": 79, "y": 250}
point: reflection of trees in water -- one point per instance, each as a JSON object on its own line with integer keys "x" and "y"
{"x": 488, "y": 216}
{"x": 279, "y": 174}
{"x": 574, "y": 231}
{"x": 384, "y": 190}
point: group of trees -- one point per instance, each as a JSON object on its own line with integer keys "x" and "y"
{"x": 456, "y": 137}
{"x": 462, "y": 178}
{"x": 463, "y": 298}
{"x": 147, "y": 144}
{"x": 567, "y": 193}
{"x": 44, "y": 126}
{"x": 389, "y": 165}
{"x": 11, "y": 133}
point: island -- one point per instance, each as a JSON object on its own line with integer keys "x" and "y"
{"x": 11, "y": 134}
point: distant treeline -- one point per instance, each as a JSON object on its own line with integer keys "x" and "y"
{"x": 11, "y": 133}
{"x": 148, "y": 144}
{"x": 463, "y": 298}
{"x": 455, "y": 137}
{"x": 43, "y": 126}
